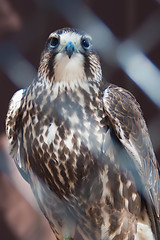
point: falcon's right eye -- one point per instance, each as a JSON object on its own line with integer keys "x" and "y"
{"x": 54, "y": 42}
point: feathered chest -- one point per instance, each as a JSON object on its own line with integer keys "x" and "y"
{"x": 63, "y": 128}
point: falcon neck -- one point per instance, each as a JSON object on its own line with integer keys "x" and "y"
{"x": 56, "y": 88}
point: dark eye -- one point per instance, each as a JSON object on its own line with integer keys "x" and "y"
{"x": 85, "y": 43}
{"x": 54, "y": 42}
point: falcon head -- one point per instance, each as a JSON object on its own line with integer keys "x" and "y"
{"x": 69, "y": 57}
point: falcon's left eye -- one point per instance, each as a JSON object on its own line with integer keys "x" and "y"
{"x": 85, "y": 43}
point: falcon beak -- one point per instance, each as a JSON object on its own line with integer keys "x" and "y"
{"x": 70, "y": 49}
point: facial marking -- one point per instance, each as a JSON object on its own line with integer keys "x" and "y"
{"x": 66, "y": 37}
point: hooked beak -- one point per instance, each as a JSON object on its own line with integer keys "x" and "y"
{"x": 70, "y": 49}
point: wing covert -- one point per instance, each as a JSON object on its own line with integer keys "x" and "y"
{"x": 127, "y": 120}
{"x": 13, "y": 131}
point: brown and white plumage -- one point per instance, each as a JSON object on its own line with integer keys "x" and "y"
{"x": 84, "y": 147}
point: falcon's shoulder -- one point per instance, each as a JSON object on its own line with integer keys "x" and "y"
{"x": 13, "y": 130}
{"x": 127, "y": 121}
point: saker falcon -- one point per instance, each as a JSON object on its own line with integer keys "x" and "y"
{"x": 84, "y": 147}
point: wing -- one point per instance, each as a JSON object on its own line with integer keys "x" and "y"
{"x": 14, "y": 133}
{"x": 127, "y": 121}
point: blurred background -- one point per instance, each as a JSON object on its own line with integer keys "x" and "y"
{"x": 126, "y": 34}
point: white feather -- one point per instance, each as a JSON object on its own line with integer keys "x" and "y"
{"x": 16, "y": 100}
{"x": 69, "y": 70}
